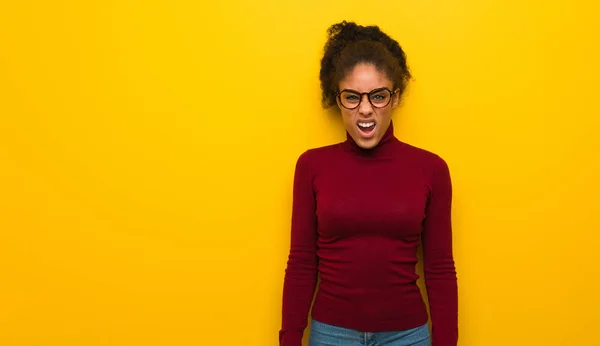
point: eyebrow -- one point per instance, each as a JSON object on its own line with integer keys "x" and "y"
{"x": 368, "y": 92}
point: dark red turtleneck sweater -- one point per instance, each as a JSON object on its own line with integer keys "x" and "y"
{"x": 358, "y": 217}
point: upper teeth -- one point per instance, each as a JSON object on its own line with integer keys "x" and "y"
{"x": 366, "y": 124}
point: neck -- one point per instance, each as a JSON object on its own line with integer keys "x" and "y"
{"x": 381, "y": 150}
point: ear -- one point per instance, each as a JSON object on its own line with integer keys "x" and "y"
{"x": 396, "y": 99}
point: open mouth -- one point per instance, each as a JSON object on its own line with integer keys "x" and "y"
{"x": 366, "y": 127}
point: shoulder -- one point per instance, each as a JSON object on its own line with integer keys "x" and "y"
{"x": 313, "y": 160}
{"x": 314, "y": 156}
{"x": 422, "y": 155}
{"x": 430, "y": 163}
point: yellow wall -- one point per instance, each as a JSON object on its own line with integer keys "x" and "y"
{"x": 147, "y": 151}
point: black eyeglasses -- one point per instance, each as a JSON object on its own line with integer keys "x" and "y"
{"x": 379, "y": 98}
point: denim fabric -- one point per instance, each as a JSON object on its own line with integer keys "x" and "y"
{"x": 322, "y": 334}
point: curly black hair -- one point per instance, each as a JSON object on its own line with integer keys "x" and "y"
{"x": 349, "y": 44}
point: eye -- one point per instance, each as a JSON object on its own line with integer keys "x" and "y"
{"x": 350, "y": 97}
{"x": 380, "y": 98}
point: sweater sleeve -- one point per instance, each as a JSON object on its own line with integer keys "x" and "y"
{"x": 301, "y": 272}
{"x": 439, "y": 268}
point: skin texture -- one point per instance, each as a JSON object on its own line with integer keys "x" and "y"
{"x": 364, "y": 78}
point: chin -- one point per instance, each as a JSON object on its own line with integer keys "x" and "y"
{"x": 367, "y": 143}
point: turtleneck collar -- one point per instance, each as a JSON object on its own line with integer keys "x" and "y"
{"x": 383, "y": 149}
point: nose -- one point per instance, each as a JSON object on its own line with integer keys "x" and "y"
{"x": 365, "y": 108}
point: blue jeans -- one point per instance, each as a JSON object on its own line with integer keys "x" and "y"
{"x": 322, "y": 334}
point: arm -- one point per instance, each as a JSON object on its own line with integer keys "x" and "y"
{"x": 440, "y": 273}
{"x": 301, "y": 272}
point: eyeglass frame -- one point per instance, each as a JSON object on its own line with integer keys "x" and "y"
{"x": 339, "y": 94}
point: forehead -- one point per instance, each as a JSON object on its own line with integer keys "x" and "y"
{"x": 364, "y": 78}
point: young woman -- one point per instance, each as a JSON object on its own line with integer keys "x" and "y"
{"x": 360, "y": 210}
